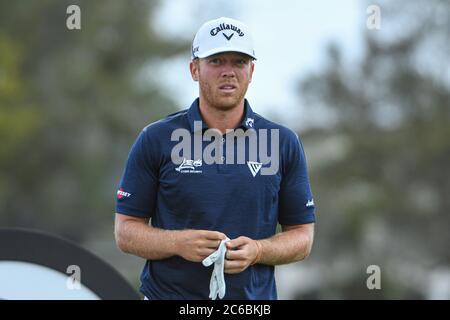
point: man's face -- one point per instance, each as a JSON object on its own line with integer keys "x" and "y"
{"x": 223, "y": 78}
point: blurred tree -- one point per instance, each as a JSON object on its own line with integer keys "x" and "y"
{"x": 71, "y": 104}
{"x": 380, "y": 164}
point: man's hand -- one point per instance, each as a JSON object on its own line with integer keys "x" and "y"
{"x": 242, "y": 252}
{"x": 196, "y": 245}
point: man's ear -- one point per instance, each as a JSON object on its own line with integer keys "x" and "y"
{"x": 193, "y": 66}
{"x": 252, "y": 68}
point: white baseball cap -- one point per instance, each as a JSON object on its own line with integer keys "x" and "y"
{"x": 222, "y": 35}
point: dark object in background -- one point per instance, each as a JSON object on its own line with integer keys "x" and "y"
{"x": 57, "y": 254}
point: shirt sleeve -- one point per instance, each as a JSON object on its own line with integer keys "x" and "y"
{"x": 296, "y": 201}
{"x": 139, "y": 184}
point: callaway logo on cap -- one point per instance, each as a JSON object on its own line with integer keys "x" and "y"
{"x": 222, "y": 35}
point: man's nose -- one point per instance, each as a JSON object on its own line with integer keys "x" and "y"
{"x": 228, "y": 70}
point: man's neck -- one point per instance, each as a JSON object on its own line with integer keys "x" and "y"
{"x": 221, "y": 119}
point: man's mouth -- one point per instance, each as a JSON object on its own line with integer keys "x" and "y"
{"x": 227, "y": 88}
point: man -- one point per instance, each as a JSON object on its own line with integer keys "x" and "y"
{"x": 194, "y": 203}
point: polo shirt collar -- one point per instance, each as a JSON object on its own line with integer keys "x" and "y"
{"x": 194, "y": 115}
{"x": 248, "y": 121}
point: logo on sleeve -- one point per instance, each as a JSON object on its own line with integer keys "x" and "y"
{"x": 310, "y": 203}
{"x": 122, "y": 194}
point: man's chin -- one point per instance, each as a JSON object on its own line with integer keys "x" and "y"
{"x": 226, "y": 103}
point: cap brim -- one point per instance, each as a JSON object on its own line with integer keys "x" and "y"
{"x": 221, "y": 50}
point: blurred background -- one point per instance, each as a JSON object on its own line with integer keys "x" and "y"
{"x": 372, "y": 107}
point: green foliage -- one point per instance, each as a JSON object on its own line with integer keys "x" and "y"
{"x": 382, "y": 194}
{"x": 71, "y": 104}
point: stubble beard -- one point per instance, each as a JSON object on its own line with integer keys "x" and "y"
{"x": 219, "y": 101}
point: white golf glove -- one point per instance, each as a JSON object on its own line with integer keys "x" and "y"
{"x": 217, "y": 284}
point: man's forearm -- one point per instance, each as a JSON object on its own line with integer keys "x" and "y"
{"x": 285, "y": 247}
{"x": 146, "y": 241}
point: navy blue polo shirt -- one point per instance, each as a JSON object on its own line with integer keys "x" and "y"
{"x": 228, "y": 196}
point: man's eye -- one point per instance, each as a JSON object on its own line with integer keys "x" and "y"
{"x": 241, "y": 61}
{"x": 214, "y": 61}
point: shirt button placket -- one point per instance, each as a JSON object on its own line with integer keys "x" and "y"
{"x": 222, "y": 167}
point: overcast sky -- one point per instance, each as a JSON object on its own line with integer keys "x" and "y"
{"x": 290, "y": 39}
